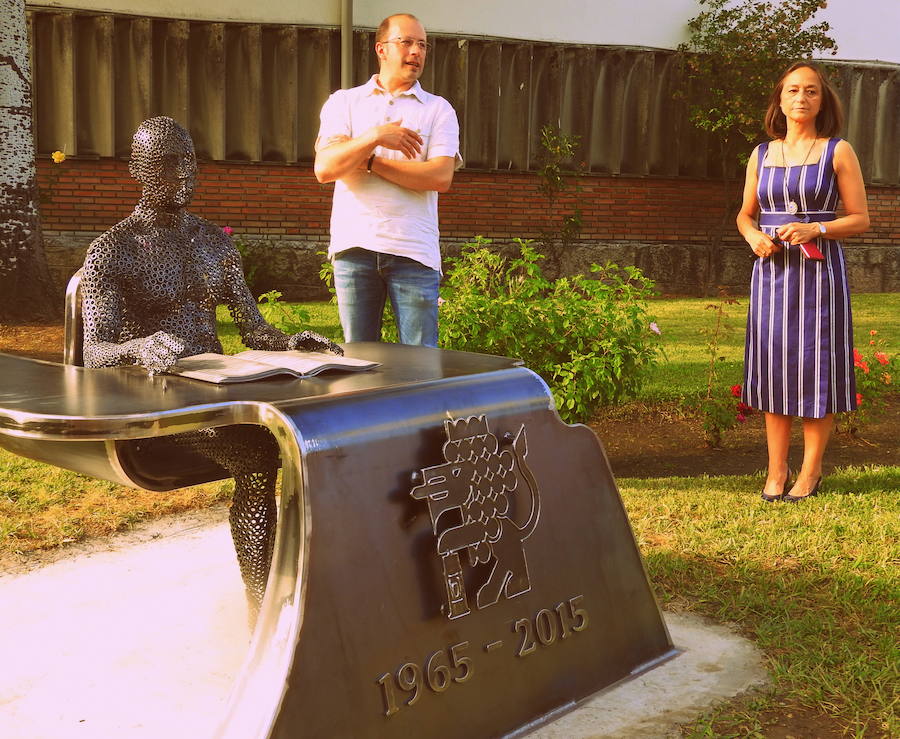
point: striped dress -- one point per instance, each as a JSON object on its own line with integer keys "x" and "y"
{"x": 798, "y": 355}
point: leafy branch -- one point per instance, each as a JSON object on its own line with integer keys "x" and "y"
{"x": 734, "y": 55}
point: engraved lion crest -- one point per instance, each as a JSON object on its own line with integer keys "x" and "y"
{"x": 497, "y": 506}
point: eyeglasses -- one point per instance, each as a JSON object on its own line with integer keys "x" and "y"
{"x": 408, "y": 43}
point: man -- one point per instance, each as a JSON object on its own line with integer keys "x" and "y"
{"x": 150, "y": 288}
{"x": 390, "y": 148}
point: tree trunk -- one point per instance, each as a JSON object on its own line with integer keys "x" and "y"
{"x": 732, "y": 199}
{"x": 26, "y": 288}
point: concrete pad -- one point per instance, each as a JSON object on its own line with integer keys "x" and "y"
{"x": 142, "y": 635}
{"x": 714, "y": 664}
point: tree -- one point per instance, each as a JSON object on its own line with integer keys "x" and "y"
{"x": 558, "y": 149}
{"x": 26, "y": 288}
{"x": 736, "y": 52}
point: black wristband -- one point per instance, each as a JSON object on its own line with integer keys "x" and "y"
{"x": 369, "y": 164}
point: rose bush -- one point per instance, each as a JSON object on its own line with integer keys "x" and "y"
{"x": 875, "y": 369}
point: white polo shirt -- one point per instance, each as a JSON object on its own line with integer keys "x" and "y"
{"x": 368, "y": 211}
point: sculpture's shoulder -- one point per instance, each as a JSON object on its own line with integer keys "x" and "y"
{"x": 208, "y": 233}
{"x": 114, "y": 247}
{"x": 125, "y": 231}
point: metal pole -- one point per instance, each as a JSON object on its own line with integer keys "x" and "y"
{"x": 346, "y": 43}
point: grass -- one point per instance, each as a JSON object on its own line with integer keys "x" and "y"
{"x": 42, "y": 507}
{"x": 816, "y": 586}
{"x": 322, "y": 318}
{"x": 683, "y": 374}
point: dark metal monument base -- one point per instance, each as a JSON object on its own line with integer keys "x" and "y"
{"x": 451, "y": 559}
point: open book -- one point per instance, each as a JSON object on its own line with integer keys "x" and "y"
{"x": 255, "y": 365}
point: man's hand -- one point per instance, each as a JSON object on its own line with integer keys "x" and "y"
{"x": 312, "y": 342}
{"x": 338, "y": 156}
{"x": 160, "y": 351}
{"x": 394, "y": 136}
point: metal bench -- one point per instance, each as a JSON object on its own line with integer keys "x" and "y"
{"x": 450, "y": 560}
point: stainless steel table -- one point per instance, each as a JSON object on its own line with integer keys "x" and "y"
{"x": 451, "y": 559}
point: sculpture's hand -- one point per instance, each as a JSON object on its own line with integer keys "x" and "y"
{"x": 313, "y": 342}
{"x": 160, "y": 351}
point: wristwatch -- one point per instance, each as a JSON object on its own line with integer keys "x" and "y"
{"x": 821, "y": 227}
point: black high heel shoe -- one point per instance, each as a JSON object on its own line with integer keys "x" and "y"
{"x": 780, "y": 496}
{"x": 788, "y": 498}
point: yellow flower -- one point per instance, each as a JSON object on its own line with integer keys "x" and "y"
{"x": 887, "y": 378}
{"x": 58, "y": 157}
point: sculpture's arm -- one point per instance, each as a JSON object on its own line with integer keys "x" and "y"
{"x": 255, "y": 332}
{"x": 103, "y": 316}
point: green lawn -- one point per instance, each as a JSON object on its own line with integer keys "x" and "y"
{"x": 323, "y": 318}
{"x": 681, "y": 320}
{"x": 682, "y": 374}
{"x": 816, "y": 586}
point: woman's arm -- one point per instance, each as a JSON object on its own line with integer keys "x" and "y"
{"x": 853, "y": 194}
{"x": 746, "y": 220}
{"x": 852, "y": 190}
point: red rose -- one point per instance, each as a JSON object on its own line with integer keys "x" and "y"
{"x": 735, "y": 391}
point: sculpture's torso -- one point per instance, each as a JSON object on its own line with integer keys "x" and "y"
{"x": 142, "y": 278}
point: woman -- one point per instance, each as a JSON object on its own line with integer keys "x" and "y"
{"x": 798, "y": 357}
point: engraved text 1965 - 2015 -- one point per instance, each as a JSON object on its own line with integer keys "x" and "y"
{"x": 453, "y": 664}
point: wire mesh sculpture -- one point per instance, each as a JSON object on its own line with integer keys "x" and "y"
{"x": 150, "y": 290}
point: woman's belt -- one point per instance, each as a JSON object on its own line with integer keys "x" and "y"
{"x": 779, "y": 218}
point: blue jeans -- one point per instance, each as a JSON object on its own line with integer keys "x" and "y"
{"x": 364, "y": 280}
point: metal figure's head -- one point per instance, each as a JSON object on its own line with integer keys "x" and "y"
{"x": 163, "y": 161}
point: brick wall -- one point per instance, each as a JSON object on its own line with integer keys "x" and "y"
{"x": 661, "y": 224}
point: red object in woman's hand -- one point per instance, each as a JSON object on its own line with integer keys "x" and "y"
{"x": 811, "y": 251}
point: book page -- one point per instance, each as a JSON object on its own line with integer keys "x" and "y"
{"x": 219, "y": 367}
{"x": 306, "y": 363}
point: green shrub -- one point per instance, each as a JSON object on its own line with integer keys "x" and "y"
{"x": 590, "y": 339}
{"x": 253, "y": 262}
{"x": 287, "y": 317}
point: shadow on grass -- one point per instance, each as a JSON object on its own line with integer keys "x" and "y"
{"x": 815, "y": 585}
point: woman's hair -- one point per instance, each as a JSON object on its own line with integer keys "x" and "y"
{"x": 830, "y": 119}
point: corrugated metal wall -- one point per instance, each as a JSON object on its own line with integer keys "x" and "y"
{"x": 253, "y": 92}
